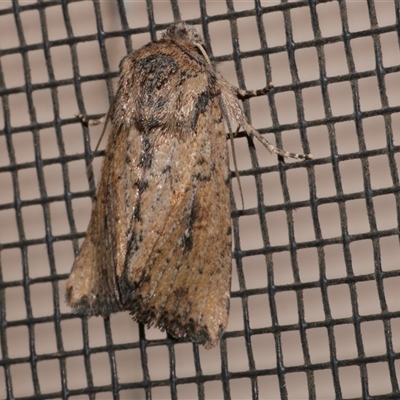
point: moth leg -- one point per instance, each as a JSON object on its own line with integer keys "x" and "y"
{"x": 231, "y": 107}
{"x": 243, "y": 94}
{"x": 272, "y": 149}
{"x": 85, "y": 120}
{"x": 241, "y": 120}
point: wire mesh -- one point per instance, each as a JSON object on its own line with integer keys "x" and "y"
{"x": 314, "y": 303}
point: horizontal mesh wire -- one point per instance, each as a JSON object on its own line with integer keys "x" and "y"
{"x": 315, "y": 309}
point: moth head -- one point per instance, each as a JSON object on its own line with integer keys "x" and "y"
{"x": 184, "y": 32}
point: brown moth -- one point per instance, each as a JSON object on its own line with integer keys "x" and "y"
{"x": 159, "y": 239}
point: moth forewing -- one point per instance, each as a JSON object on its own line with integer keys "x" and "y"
{"x": 159, "y": 238}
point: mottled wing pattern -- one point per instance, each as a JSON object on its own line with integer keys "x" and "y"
{"x": 92, "y": 286}
{"x": 178, "y": 264}
{"x": 159, "y": 239}
{"x": 178, "y": 269}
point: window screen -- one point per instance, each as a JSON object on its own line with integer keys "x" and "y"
{"x": 315, "y": 307}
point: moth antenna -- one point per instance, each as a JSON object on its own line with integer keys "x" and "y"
{"x": 202, "y": 50}
{"x": 228, "y": 123}
{"x": 225, "y": 114}
{"x": 236, "y": 167}
{"x": 92, "y": 122}
{"x": 226, "y": 117}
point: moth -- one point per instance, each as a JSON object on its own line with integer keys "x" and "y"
{"x": 159, "y": 239}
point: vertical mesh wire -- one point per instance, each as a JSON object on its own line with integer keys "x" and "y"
{"x": 315, "y": 308}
